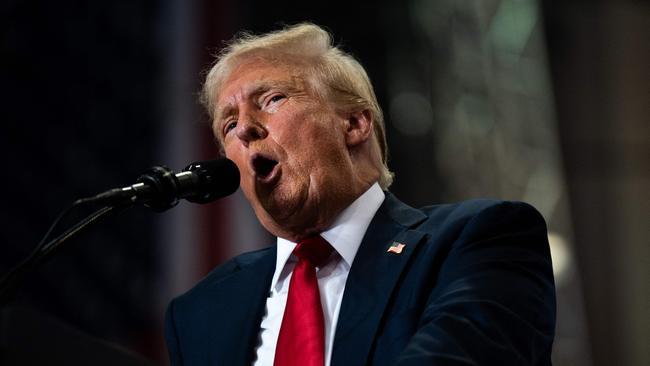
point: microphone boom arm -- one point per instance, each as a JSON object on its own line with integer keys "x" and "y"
{"x": 158, "y": 188}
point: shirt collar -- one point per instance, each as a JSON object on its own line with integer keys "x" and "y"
{"x": 346, "y": 232}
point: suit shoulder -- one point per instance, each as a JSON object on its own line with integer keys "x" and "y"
{"x": 485, "y": 215}
{"x": 466, "y": 210}
{"x": 225, "y": 270}
{"x": 473, "y": 206}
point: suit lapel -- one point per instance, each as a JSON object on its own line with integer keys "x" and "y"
{"x": 372, "y": 277}
{"x": 241, "y": 302}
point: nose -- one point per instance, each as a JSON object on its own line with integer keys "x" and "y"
{"x": 249, "y": 129}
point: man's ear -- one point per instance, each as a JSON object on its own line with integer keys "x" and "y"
{"x": 358, "y": 128}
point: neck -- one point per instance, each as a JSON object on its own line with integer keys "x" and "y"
{"x": 316, "y": 220}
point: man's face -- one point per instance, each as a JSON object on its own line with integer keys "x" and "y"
{"x": 289, "y": 146}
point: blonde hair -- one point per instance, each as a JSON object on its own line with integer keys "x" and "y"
{"x": 333, "y": 74}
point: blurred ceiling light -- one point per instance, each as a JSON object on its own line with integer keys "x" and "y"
{"x": 513, "y": 24}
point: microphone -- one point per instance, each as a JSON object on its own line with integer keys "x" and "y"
{"x": 160, "y": 189}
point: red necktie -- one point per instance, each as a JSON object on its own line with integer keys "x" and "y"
{"x": 302, "y": 334}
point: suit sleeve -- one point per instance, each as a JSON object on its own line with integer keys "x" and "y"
{"x": 494, "y": 299}
{"x": 171, "y": 337}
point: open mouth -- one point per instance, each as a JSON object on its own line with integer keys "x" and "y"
{"x": 263, "y": 166}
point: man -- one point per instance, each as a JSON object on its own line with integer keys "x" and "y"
{"x": 461, "y": 284}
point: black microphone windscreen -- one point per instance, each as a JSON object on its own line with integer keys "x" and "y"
{"x": 219, "y": 178}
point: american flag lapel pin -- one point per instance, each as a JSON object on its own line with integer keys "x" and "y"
{"x": 396, "y": 248}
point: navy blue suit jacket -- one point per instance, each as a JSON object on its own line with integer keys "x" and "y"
{"x": 472, "y": 286}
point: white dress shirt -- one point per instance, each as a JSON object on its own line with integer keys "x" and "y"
{"x": 345, "y": 236}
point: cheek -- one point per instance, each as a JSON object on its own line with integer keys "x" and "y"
{"x": 301, "y": 132}
{"x": 238, "y": 158}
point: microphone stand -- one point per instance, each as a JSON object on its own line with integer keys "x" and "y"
{"x": 158, "y": 184}
{"x": 45, "y": 249}
{"x": 158, "y": 189}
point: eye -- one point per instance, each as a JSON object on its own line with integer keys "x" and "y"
{"x": 229, "y": 125}
{"x": 274, "y": 100}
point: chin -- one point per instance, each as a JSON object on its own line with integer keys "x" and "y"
{"x": 289, "y": 219}
{"x": 283, "y": 200}
{"x": 282, "y": 211}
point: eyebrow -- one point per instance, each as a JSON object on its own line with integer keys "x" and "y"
{"x": 255, "y": 90}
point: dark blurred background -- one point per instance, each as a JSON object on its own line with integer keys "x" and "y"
{"x": 546, "y": 102}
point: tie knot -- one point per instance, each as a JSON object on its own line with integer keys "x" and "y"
{"x": 314, "y": 249}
